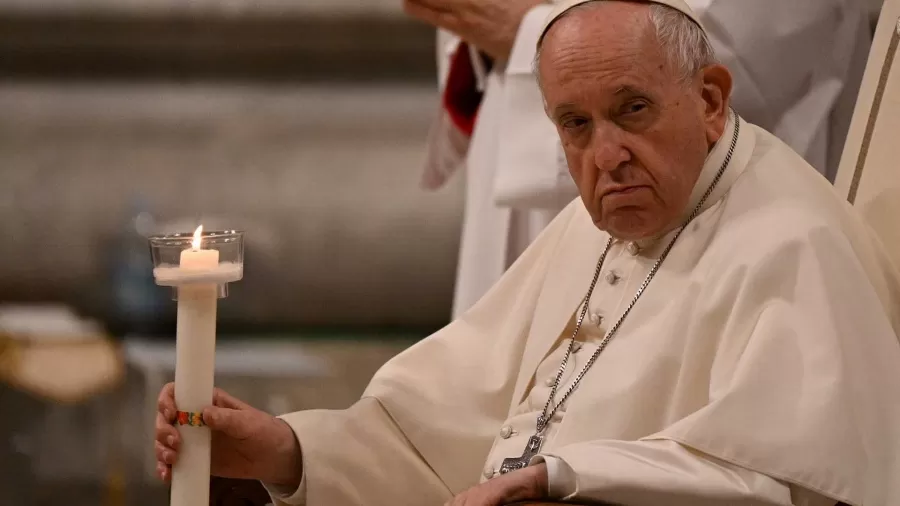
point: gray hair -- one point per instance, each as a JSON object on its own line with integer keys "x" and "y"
{"x": 684, "y": 43}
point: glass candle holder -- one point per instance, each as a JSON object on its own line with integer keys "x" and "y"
{"x": 214, "y": 257}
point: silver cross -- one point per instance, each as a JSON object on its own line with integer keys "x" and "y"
{"x": 531, "y": 449}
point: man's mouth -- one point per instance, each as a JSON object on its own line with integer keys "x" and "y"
{"x": 621, "y": 190}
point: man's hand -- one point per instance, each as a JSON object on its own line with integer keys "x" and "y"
{"x": 490, "y": 25}
{"x": 521, "y": 485}
{"x": 246, "y": 442}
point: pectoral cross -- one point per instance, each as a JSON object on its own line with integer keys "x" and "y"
{"x": 531, "y": 449}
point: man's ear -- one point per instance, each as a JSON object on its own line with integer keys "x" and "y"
{"x": 716, "y": 83}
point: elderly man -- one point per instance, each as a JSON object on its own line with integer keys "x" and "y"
{"x": 710, "y": 324}
{"x": 796, "y": 67}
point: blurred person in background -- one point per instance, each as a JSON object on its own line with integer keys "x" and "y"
{"x": 797, "y": 66}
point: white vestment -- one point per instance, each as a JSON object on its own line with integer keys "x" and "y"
{"x": 797, "y": 66}
{"x": 760, "y": 367}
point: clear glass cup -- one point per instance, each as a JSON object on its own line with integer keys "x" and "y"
{"x": 166, "y": 253}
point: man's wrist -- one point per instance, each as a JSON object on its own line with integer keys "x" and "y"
{"x": 530, "y": 483}
{"x": 287, "y": 468}
{"x": 541, "y": 480}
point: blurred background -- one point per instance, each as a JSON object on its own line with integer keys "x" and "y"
{"x": 301, "y": 122}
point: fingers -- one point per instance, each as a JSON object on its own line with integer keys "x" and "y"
{"x": 165, "y": 455}
{"x": 164, "y": 472}
{"x": 235, "y": 423}
{"x": 225, "y": 420}
{"x": 439, "y": 18}
{"x": 223, "y": 399}
{"x": 166, "y": 433}
{"x": 167, "y": 439}
{"x": 440, "y": 6}
{"x": 166, "y": 402}
{"x": 223, "y": 416}
{"x": 166, "y": 448}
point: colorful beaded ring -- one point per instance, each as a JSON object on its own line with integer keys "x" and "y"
{"x": 189, "y": 418}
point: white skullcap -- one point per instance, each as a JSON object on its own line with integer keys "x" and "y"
{"x": 565, "y": 5}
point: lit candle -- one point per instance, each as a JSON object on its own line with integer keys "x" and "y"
{"x": 195, "y": 345}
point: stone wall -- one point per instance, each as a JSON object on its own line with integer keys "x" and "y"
{"x": 214, "y": 39}
{"x": 323, "y": 179}
{"x": 303, "y": 122}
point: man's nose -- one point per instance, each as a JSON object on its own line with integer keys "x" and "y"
{"x": 609, "y": 149}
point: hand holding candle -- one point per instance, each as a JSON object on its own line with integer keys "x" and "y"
{"x": 198, "y": 277}
{"x": 247, "y": 443}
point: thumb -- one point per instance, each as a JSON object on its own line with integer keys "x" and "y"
{"x": 231, "y": 422}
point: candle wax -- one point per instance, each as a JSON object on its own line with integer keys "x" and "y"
{"x": 194, "y": 259}
{"x": 195, "y": 344}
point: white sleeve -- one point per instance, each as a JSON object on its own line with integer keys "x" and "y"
{"x": 287, "y": 495}
{"x": 653, "y": 472}
{"x": 531, "y": 169}
{"x": 446, "y": 147}
{"x": 284, "y": 495}
{"x": 561, "y": 480}
{"x": 445, "y": 46}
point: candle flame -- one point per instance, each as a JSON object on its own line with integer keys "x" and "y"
{"x": 196, "y": 241}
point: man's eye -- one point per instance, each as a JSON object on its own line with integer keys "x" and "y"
{"x": 573, "y": 123}
{"x": 634, "y": 107}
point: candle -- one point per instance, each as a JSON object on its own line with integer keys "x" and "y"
{"x": 195, "y": 345}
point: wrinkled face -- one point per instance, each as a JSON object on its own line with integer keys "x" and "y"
{"x": 635, "y": 136}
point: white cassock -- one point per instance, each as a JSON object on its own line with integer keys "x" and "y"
{"x": 761, "y": 366}
{"x": 797, "y": 66}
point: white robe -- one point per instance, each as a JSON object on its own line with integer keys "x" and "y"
{"x": 797, "y": 66}
{"x": 759, "y": 367}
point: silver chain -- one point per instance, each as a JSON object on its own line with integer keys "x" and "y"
{"x": 544, "y": 419}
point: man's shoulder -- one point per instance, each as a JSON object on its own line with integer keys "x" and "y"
{"x": 780, "y": 181}
{"x": 780, "y": 198}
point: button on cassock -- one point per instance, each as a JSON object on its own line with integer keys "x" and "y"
{"x": 506, "y": 431}
{"x": 488, "y": 472}
{"x": 633, "y": 248}
{"x": 596, "y": 319}
{"x": 549, "y": 381}
{"x": 612, "y": 277}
